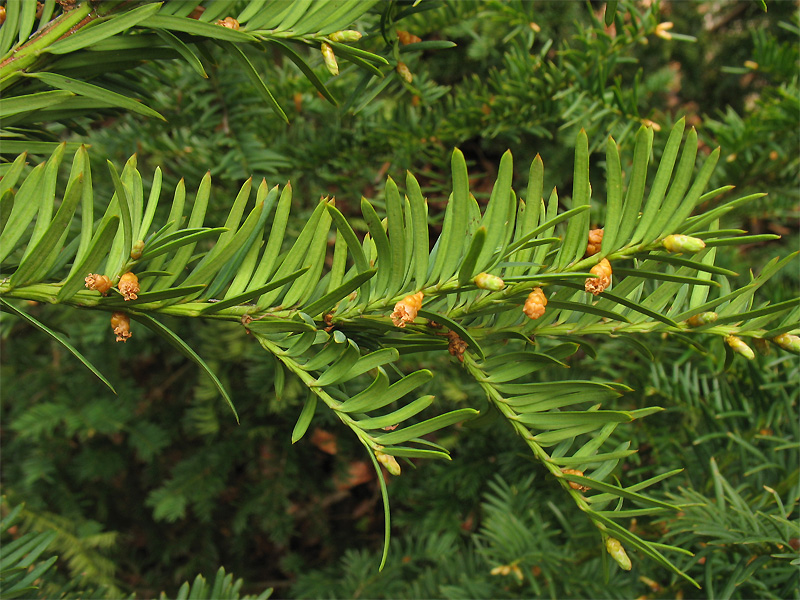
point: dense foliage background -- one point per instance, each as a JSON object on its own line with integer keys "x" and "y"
{"x": 150, "y": 487}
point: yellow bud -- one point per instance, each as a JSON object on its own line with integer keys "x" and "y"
{"x": 618, "y": 553}
{"x": 329, "y": 58}
{"x": 501, "y": 570}
{"x": 740, "y": 347}
{"x": 403, "y": 71}
{"x": 228, "y": 22}
{"x": 662, "y": 30}
{"x": 485, "y": 281}
{"x": 388, "y": 461}
{"x": 653, "y": 124}
{"x": 683, "y": 243}
{"x": 347, "y": 35}
{"x": 788, "y": 342}
{"x": 407, "y": 38}
{"x": 703, "y": 318}
{"x": 136, "y": 251}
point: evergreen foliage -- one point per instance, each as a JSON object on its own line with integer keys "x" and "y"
{"x": 311, "y": 316}
{"x": 21, "y": 578}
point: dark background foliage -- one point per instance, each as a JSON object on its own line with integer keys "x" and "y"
{"x": 158, "y": 483}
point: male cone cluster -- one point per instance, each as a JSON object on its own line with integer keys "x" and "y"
{"x": 595, "y": 242}
{"x": 406, "y": 310}
{"x": 128, "y": 286}
{"x": 535, "y": 304}
{"x": 121, "y": 324}
{"x": 602, "y": 277}
{"x": 101, "y": 283}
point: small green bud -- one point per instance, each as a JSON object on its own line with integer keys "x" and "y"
{"x": 485, "y": 281}
{"x": 346, "y": 35}
{"x": 683, "y": 243}
{"x": 788, "y": 342}
{"x": 740, "y": 347}
{"x": 618, "y": 553}
{"x": 330, "y": 59}
{"x": 136, "y": 251}
{"x": 703, "y": 318}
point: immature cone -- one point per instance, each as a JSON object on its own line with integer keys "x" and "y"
{"x": 485, "y": 281}
{"x": 683, "y": 243}
{"x": 121, "y": 324}
{"x": 535, "y": 303}
{"x": 618, "y": 553}
{"x": 595, "y": 241}
{"x": 703, "y": 318}
{"x": 788, "y": 342}
{"x": 346, "y": 35}
{"x": 101, "y": 283}
{"x": 406, "y": 310}
{"x": 740, "y": 347}
{"x": 136, "y": 251}
{"x": 407, "y": 38}
{"x": 602, "y": 277}
{"x": 128, "y": 286}
{"x": 403, "y": 71}
{"x": 329, "y": 58}
{"x": 388, "y": 461}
